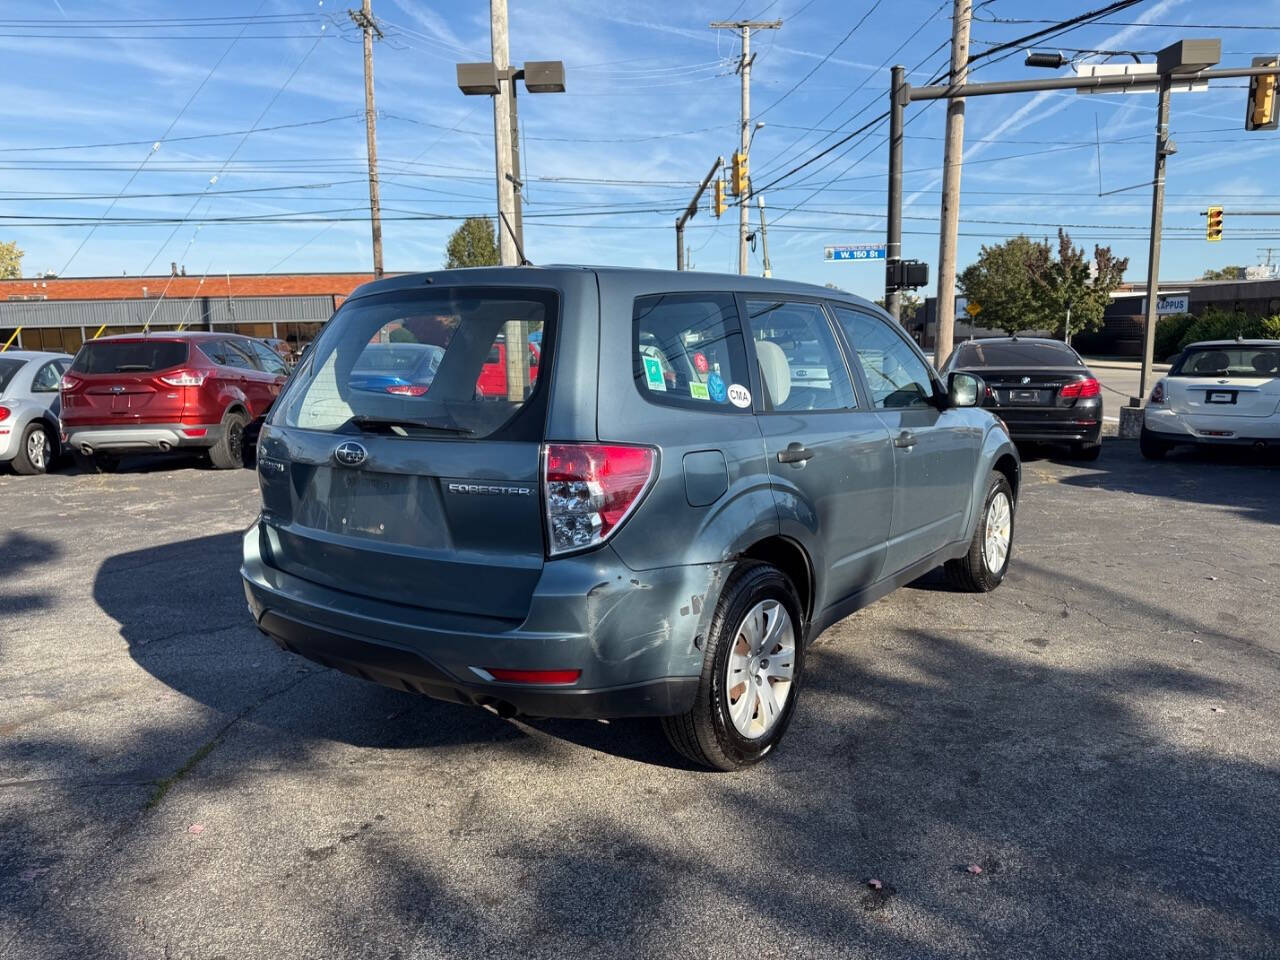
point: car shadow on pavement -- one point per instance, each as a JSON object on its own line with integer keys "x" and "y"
{"x": 1106, "y": 809}
{"x": 20, "y": 552}
{"x": 1241, "y": 480}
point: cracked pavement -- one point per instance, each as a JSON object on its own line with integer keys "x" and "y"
{"x": 1099, "y": 736}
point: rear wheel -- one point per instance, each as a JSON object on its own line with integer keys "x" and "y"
{"x": 1152, "y": 447}
{"x": 983, "y": 568}
{"x": 36, "y": 452}
{"x": 228, "y": 452}
{"x": 750, "y": 673}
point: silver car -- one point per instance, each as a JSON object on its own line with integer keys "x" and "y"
{"x": 29, "y": 407}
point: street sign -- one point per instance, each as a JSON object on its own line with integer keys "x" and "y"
{"x": 855, "y": 251}
{"x": 972, "y": 309}
{"x": 1179, "y": 303}
{"x": 1145, "y": 74}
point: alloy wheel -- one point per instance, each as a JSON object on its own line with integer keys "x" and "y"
{"x": 999, "y": 532}
{"x": 760, "y": 669}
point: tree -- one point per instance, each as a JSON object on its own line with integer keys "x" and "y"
{"x": 1021, "y": 285}
{"x": 1226, "y": 273}
{"x": 472, "y": 245}
{"x": 908, "y": 306}
{"x": 10, "y": 261}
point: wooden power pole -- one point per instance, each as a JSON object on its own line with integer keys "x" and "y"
{"x": 953, "y": 159}
{"x": 363, "y": 18}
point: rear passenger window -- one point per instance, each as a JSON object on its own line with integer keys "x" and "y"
{"x": 689, "y": 352}
{"x": 801, "y": 366}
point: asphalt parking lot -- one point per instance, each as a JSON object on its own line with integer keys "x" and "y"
{"x": 1099, "y": 737}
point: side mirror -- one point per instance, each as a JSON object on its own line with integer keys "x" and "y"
{"x": 965, "y": 390}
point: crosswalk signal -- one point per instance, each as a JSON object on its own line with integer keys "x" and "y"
{"x": 1261, "y": 111}
{"x": 1213, "y": 225}
{"x": 739, "y": 174}
{"x": 718, "y": 204}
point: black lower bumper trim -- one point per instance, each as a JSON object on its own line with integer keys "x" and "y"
{"x": 405, "y": 669}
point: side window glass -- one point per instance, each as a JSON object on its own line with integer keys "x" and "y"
{"x": 688, "y": 351}
{"x": 268, "y": 359}
{"x": 896, "y": 377}
{"x": 46, "y": 378}
{"x": 801, "y": 366}
{"x": 215, "y": 350}
{"x": 237, "y": 356}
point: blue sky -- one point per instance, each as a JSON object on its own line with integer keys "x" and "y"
{"x": 652, "y": 100}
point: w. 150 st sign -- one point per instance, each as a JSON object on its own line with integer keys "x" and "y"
{"x": 855, "y": 251}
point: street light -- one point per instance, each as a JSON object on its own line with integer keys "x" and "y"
{"x": 759, "y": 125}
{"x": 484, "y": 80}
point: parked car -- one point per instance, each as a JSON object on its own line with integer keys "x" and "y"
{"x": 492, "y": 382}
{"x": 282, "y": 349}
{"x": 405, "y": 369}
{"x": 1040, "y": 388}
{"x": 29, "y": 406}
{"x": 141, "y": 393}
{"x": 658, "y": 528}
{"x": 1217, "y": 392}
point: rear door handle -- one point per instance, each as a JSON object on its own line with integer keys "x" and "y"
{"x": 906, "y": 439}
{"x": 795, "y": 453}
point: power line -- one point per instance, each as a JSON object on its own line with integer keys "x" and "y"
{"x": 196, "y": 136}
{"x": 1079, "y": 20}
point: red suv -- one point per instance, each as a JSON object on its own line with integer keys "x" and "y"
{"x": 138, "y": 393}
{"x": 492, "y": 382}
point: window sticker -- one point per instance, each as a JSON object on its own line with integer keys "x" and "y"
{"x": 699, "y": 391}
{"x": 716, "y": 388}
{"x": 700, "y": 362}
{"x": 653, "y": 374}
{"x": 739, "y": 395}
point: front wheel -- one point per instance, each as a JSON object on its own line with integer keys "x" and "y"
{"x": 36, "y": 452}
{"x": 750, "y": 673}
{"x": 983, "y": 568}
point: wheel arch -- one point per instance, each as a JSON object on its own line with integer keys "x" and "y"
{"x": 792, "y": 559}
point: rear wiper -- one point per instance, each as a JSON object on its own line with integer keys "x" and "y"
{"x": 402, "y": 424}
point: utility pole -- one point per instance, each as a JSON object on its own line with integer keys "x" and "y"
{"x": 691, "y": 211}
{"x": 764, "y": 238}
{"x": 893, "y": 246}
{"x": 744, "y": 70}
{"x": 363, "y": 18}
{"x": 1163, "y": 148}
{"x": 952, "y": 159}
{"x": 507, "y": 255}
{"x": 517, "y": 184}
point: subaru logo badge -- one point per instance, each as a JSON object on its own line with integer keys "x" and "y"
{"x": 350, "y": 454}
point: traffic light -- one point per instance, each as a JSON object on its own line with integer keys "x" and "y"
{"x": 718, "y": 205}
{"x": 1213, "y": 225}
{"x": 1260, "y": 111}
{"x": 739, "y": 186}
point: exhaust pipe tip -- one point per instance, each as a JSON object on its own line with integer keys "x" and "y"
{"x": 86, "y": 450}
{"x": 165, "y": 446}
{"x": 1259, "y": 444}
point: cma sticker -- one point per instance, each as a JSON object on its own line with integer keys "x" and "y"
{"x": 739, "y": 395}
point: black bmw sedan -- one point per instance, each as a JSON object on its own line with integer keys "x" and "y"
{"x": 1040, "y": 388}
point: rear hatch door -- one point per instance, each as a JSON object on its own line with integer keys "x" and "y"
{"x": 430, "y": 500}
{"x": 122, "y": 382}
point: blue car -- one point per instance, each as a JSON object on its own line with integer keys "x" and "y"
{"x": 401, "y": 369}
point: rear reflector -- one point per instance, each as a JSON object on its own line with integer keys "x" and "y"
{"x": 194, "y": 431}
{"x": 408, "y": 389}
{"x": 533, "y": 676}
{"x": 1081, "y": 389}
{"x": 591, "y": 488}
{"x": 183, "y": 378}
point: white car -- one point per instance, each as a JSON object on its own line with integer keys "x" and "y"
{"x": 29, "y": 407}
{"x": 1216, "y": 392}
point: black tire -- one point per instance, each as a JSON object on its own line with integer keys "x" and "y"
{"x": 971, "y": 573}
{"x": 707, "y": 734}
{"x": 37, "y": 432}
{"x": 228, "y": 452}
{"x": 1086, "y": 451}
{"x": 1151, "y": 446}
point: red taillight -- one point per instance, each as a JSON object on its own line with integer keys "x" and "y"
{"x": 183, "y": 378}
{"x": 533, "y": 676}
{"x": 1081, "y": 389}
{"x": 408, "y": 389}
{"x": 590, "y": 488}
{"x": 69, "y": 382}
{"x": 4, "y": 414}
{"x": 1157, "y": 394}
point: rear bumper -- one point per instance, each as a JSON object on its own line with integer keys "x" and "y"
{"x": 636, "y": 637}
{"x": 1051, "y": 430}
{"x": 1199, "y": 428}
{"x": 139, "y": 437}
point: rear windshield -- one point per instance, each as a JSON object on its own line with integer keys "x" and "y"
{"x": 428, "y": 364}
{"x": 8, "y": 367}
{"x": 1026, "y": 353}
{"x": 1228, "y": 362}
{"x": 129, "y": 356}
